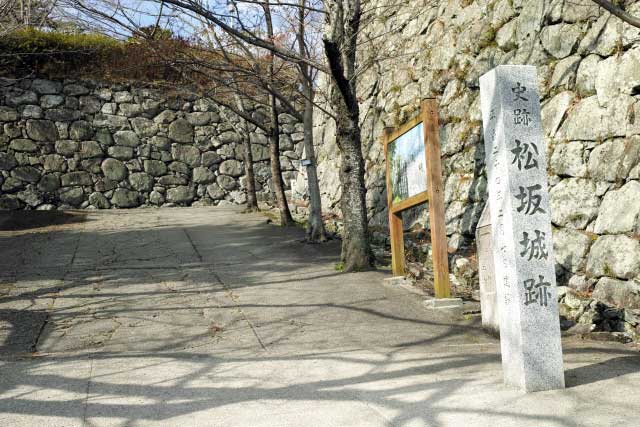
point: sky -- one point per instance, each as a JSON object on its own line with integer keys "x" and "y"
{"x": 141, "y": 13}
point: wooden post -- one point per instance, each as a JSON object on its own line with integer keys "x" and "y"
{"x": 395, "y": 219}
{"x": 436, "y": 198}
{"x": 397, "y": 243}
{"x": 434, "y": 195}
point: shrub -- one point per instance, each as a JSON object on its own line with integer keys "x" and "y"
{"x": 32, "y": 49}
{"x": 86, "y": 55}
{"x": 160, "y": 59}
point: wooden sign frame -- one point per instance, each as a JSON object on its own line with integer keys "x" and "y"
{"x": 434, "y": 195}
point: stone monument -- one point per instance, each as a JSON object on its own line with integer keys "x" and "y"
{"x": 521, "y": 228}
{"x": 488, "y": 297}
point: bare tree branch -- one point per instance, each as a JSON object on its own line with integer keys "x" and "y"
{"x": 285, "y": 54}
{"x": 279, "y": 3}
{"x": 619, "y": 12}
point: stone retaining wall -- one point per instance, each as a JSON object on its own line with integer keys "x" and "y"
{"x": 589, "y": 70}
{"x": 81, "y": 144}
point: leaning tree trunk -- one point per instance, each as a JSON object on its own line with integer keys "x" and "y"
{"x": 315, "y": 227}
{"x": 252, "y": 199}
{"x": 276, "y": 170}
{"x": 274, "y": 135}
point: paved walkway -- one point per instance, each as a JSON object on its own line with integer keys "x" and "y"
{"x": 209, "y": 317}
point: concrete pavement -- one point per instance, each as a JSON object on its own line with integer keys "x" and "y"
{"x": 210, "y": 317}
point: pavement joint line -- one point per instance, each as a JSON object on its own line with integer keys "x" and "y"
{"x": 85, "y": 409}
{"x": 125, "y": 268}
{"x": 339, "y": 355}
{"x": 34, "y": 347}
{"x": 227, "y": 289}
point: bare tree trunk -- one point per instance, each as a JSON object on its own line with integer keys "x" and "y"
{"x": 276, "y": 170}
{"x": 274, "y": 137}
{"x": 315, "y": 226}
{"x": 252, "y": 199}
{"x": 340, "y": 43}
{"x": 356, "y": 250}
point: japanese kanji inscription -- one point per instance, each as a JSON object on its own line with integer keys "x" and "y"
{"x": 521, "y": 229}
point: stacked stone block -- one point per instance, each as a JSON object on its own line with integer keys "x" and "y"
{"x": 588, "y": 64}
{"x": 82, "y": 144}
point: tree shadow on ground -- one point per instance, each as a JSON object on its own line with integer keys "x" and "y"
{"x": 176, "y": 388}
{"x": 19, "y": 330}
{"x": 349, "y": 344}
{"x": 602, "y": 371}
{"x": 15, "y": 221}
